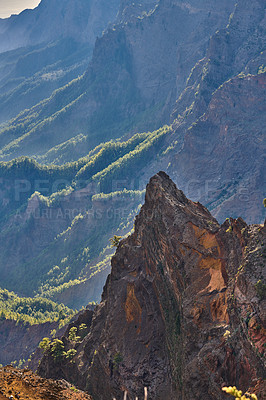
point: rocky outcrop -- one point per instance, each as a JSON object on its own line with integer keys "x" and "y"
{"x": 182, "y": 310}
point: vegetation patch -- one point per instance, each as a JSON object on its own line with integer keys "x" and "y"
{"x": 32, "y": 311}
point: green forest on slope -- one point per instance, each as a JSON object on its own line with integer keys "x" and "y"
{"x": 32, "y": 310}
{"x": 75, "y": 252}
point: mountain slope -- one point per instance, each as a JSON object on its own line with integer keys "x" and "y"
{"x": 182, "y": 310}
{"x": 229, "y": 138}
{"x": 218, "y": 119}
{"x": 224, "y": 126}
{"x": 62, "y": 225}
{"x": 46, "y": 48}
{"x": 24, "y": 322}
{"x": 132, "y": 81}
{"x": 31, "y": 74}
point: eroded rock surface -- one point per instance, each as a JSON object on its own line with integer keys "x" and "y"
{"x": 182, "y": 311}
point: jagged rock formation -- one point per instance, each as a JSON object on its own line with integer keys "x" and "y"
{"x": 182, "y": 311}
{"x": 210, "y": 56}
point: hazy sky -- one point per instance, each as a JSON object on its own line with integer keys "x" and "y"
{"x": 8, "y": 7}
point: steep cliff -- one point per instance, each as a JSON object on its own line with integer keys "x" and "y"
{"x": 182, "y": 310}
{"x": 229, "y": 138}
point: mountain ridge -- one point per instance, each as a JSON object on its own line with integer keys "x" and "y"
{"x": 125, "y": 83}
{"x": 46, "y": 48}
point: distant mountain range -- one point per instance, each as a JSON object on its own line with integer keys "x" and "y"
{"x": 81, "y": 20}
{"x": 138, "y": 70}
{"x": 45, "y": 48}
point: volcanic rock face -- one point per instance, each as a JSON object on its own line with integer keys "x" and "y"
{"x": 182, "y": 310}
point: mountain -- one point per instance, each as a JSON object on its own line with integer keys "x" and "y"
{"x": 181, "y": 312}
{"x": 63, "y": 216}
{"x": 131, "y": 84}
{"x": 46, "y": 48}
{"x": 214, "y": 102}
{"x": 200, "y": 67}
{"x": 81, "y": 20}
{"x": 62, "y": 234}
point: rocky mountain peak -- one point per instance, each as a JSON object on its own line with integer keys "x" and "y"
{"x": 163, "y": 197}
{"x": 161, "y": 185}
{"x": 176, "y": 310}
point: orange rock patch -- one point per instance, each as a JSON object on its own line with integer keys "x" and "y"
{"x": 214, "y": 265}
{"x": 132, "y": 307}
{"x": 206, "y": 239}
{"x": 215, "y": 270}
{"x": 196, "y": 313}
{"x": 219, "y": 308}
